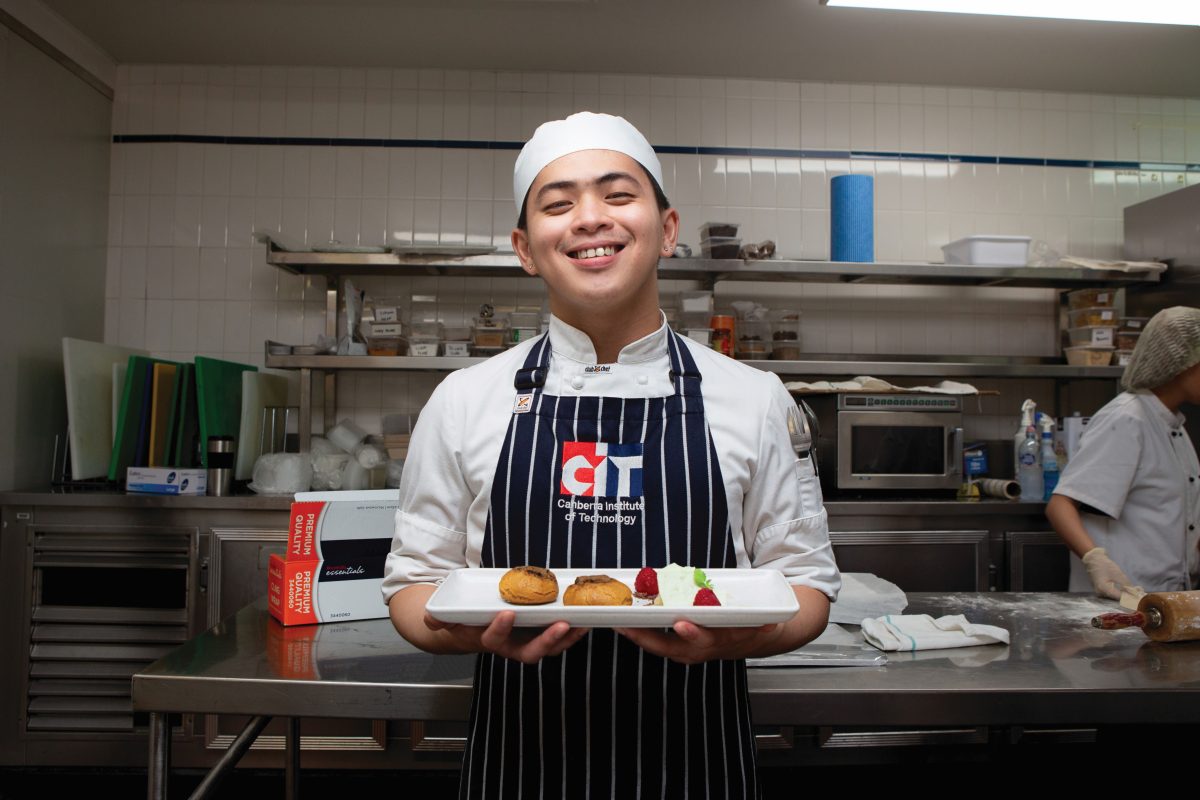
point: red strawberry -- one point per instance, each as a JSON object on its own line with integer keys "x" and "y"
{"x": 646, "y": 583}
{"x": 705, "y": 597}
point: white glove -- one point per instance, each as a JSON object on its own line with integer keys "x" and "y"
{"x": 1107, "y": 577}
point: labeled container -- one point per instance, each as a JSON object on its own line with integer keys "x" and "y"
{"x": 1134, "y": 323}
{"x": 1089, "y": 317}
{"x": 456, "y": 333}
{"x": 721, "y": 247}
{"x": 1091, "y": 298}
{"x": 999, "y": 251}
{"x": 1123, "y": 357}
{"x": 422, "y": 347}
{"x": 456, "y": 349}
{"x": 1095, "y": 335}
{"x": 1085, "y": 356}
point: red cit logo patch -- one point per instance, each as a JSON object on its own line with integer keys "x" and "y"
{"x": 601, "y": 469}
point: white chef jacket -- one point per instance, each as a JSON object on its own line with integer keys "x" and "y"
{"x": 1137, "y": 466}
{"x": 776, "y": 512}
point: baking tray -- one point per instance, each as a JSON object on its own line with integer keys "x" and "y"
{"x": 754, "y": 597}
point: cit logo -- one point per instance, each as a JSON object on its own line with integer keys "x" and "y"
{"x": 601, "y": 469}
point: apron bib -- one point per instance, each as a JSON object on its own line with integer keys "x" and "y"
{"x": 608, "y": 482}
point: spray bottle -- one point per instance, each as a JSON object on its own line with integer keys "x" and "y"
{"x": 1049, "y": 457}
{"x": 1028, "y": 417}
{"x": 1029, "y": 468}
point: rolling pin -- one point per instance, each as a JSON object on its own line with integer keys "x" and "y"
{"x": 1162, "y": 616}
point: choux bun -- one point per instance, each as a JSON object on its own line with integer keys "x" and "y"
{"x": 528, "y": 586}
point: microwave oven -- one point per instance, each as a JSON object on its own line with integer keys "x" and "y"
{"x": 889, "y": 441}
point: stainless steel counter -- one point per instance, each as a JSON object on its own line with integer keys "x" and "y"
{"x": 1056, "y": 670}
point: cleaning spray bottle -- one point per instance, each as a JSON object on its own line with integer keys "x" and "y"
{"x": 1028, "y": 417}
{"x": 1049, "y": 457}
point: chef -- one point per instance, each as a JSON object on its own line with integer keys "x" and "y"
{"x": 1136, "y": 479}
{"x": 609, "y": 442}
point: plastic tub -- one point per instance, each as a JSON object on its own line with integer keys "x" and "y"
{"x": 785, "y": 352}
{"x": 711, "y": 229}
{"x": 1127, "y": 340}
{"x": 422, "y": 347}
{"x": 701, "y": 335}
{"x": 1093, "y": 335}
{"x": 1000, "y": 251}
{"x": 1089, "y": 356}
{"x": 721, "y": 247}
{"x": 1123, "y": 357}
{"x": 489, "y": 335}
{"x": 1087, "y": 317}
{"x": 753, "y": 349}
{"x": 384, "y": 347}
{"x": 1134, "y": 323}
{"x": 1091, "y": 298}
{"x": 456, "y": 349}
{"x": 456, "y": 333}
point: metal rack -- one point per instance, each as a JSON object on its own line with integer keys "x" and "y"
{"x": 709, "y": 272}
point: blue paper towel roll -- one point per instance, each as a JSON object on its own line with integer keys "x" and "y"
{"x": 852, "y": 218}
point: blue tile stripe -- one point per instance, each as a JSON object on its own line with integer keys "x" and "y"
{"x": 733, "y": 152}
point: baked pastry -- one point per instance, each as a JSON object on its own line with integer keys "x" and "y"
{"x": 528, "y": 586}
{"x": 597, "y": 590}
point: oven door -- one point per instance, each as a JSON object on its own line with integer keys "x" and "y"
{"x": 899, "y": 450}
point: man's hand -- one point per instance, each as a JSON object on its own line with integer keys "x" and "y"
{"x": 688, "y": 643}
{"x": 528, "y": 646}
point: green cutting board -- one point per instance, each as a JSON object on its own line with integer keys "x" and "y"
{"x": 219, "y": 398}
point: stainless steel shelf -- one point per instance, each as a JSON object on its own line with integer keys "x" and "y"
{"x": 711, "y": 271}
{"x": 831, "y": 366}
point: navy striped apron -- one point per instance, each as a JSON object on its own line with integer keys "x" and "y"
{"x": 608, "y": 482}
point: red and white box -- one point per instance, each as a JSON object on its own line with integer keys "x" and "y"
{"x": 333, "y": 568}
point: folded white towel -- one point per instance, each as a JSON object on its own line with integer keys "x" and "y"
{"x": 923, "y": 632}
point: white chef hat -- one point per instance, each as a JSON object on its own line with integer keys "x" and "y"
{"x": 582, "y": 131}
{"x": 1169, "y": 345}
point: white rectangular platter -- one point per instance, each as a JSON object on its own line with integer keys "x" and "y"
{"x": 752, "y": 597}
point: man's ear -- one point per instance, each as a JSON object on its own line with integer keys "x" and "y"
{"x": 520, "y": 246}
{"x": 670, "y": 222}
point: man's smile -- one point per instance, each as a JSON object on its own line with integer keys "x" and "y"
{"x": 595, "y": 252}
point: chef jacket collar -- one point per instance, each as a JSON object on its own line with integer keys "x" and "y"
{"x": 1172, "y": 419}
{"x": 571, "y": 343}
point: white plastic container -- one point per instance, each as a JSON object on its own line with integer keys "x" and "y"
{"x": 999, "y": 251}
{"x": 1092, "y": 335}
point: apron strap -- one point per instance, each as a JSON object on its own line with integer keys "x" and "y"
{"x": 532, "y": 375}
{"x": 685, "y": 375}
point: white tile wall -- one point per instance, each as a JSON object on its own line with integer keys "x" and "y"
{"x": 185, "y": 276}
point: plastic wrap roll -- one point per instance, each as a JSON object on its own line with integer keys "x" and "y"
{"x": 997, "y": 487}
{"x": 852, "y": 218}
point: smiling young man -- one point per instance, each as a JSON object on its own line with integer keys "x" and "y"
{"x": 610, "y": 442}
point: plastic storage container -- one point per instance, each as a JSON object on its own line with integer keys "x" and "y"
{"x": 721, "y": 247}
{"x": 1088, "y": 317}
{"x": 1089, "y": 356}
{"x": 489, "y": 333}
{"x": 701, "y": 335}
{"x": 753, "y": 339}
{"x": 1134, "y": 323}
{"x": 710, "y": 229}
{"x": 1000, "y": 251}
{"x": 456, "y": 348}
{"x": 1091, "y": 298}
{"x": 1127, "y": 340}
{"x": 1092, "y": 335}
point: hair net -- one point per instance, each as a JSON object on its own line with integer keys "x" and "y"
{"x": 582, "y": 131}
{"x": 1169, "y": 345}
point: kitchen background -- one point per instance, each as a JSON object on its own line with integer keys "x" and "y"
{"x": 185, "y": 275}
{"x": 200, "y": 157}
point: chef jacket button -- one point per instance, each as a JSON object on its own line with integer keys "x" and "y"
{"x": 642, "y": 380}
{"x": 577, "y": 382}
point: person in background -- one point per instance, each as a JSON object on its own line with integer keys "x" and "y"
{"x": 1128, "y": 503}
{"x": 608, "y": 442}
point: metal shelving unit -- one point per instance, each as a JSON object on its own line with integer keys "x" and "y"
{"x": 709, "y": 272}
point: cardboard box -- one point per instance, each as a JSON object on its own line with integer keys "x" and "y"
{"x": 166, "y": 480}
{"x": 333, "y": 569}
{"x": 312, "y": 591}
